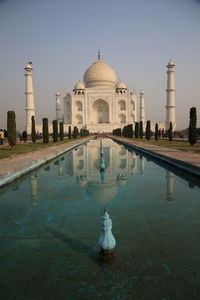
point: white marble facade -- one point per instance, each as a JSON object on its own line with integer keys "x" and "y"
{"x": 99, "y": 104}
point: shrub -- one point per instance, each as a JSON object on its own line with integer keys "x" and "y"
{"x": 45, "y": 130}
{"x": 61, "y": 131}
{"x": 148, "y": 130}
{"x": 192, "y": 127}
{"x": 156, "y": 131}
{"x": 55, "y": 131}
{"x": 33, "y": 131}
{"x": 70, "y": 133}
{"x": 141, "y": 130}
{"x": 136, "y": 130}
{"x": 11, "y": 128}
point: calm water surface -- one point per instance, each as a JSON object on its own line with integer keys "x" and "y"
{"x": 50, "y": 224}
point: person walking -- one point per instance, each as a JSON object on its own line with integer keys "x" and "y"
{"x": 1, "y": 137}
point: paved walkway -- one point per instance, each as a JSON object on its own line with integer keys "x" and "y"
{"x": 13, "y": 167}
{"x": 185, "y": 160}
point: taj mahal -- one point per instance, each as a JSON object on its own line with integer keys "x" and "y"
{"x": 100, "y": 103}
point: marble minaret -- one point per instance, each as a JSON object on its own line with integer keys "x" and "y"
{"x": 30, "y": 107}
{"x": 58, "y": 108}
{"x": 142, "y": 113}
{"x": 170, "y": 106}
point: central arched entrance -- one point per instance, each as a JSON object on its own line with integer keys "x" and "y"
{"x": 100, "y": 112}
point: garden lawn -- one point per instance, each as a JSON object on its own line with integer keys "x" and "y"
{"x": 7, "y": 151}
{"x": 179, "y": 145}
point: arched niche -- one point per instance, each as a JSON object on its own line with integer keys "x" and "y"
{"x": 132, "y": 104}
{"x": 122, "y": 118}
{"x": 79, "y": 106}
{"x": 132, "y": 118}
{"x": 122, "y": 105}
{"x": 100, "y": 112}
{"x": 79, "y": 119}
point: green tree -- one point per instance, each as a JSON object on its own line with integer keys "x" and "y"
{"x": 74, "y": 134}
{"x": 33, "y": 131}
{"x": 170, "y": 131}
{"x": 156, "y": 131}
{"x": 61, "y": 131}
{"x": 192, "y": 126}
{"x": 11, "y": 128}
{"x": 70, "y": 133}
{"x": 148, "y": 130}
{"x": 141, "y": 133}
{"x": 55, "y": 131}
{"x": 136, "y": 130}
{"x": 45, "y": 130}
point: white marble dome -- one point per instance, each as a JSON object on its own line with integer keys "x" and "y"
{"x": 121, "y": 85}
{"x": 98, "y": 75}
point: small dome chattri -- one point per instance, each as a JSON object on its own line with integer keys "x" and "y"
{"x": 79, "y": 86}
{"x": 57, "y": 94}
{"x": 142, "y": 92}
{"x": 171, "y": 64}
{"x": 28, "y": 66}
{"x": 121, "y": 85}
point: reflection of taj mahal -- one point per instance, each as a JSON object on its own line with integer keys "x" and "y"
{"x": 84, "y": 165}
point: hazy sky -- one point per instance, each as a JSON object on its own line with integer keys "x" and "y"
{"x": 136, "y": 37}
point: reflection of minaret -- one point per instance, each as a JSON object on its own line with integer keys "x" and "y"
{"x": 170, "y": 186}
{"x": 134, "y": 164}
{"x": 142, "y": 113}
{"x": 34, "y": 190}
{"x": 60, "y": 169}
{"x": 142, "y": 165}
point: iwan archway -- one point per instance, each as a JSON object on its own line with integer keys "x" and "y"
{"x": 100, "y": 112}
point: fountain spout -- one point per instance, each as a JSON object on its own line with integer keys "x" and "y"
{"x": 107, "y": 241}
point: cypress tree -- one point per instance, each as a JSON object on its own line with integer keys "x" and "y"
{"x": 148, "y": 130}
{"x": 74, "y": 134}
{"x": 55, "y": 131}
{"x": 156, "y": 131}
{"x": 61, "y": 131}
{"x": 45, "y": 130}
{"x": 33, "y": 131}
{"x": 141, "y": 130}
{"x": 77, "y": 132}
{"x": 81, "y": 132}
{"x": 192, "y": 126}
{"x": 170, "y": 131}
{"x": 136, "y": 130}
{"x": 11, "y": 128}
{"x": 70, "y": 133}
{"x": 130, "y": 130}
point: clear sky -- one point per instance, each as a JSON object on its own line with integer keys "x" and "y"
{"x": 136, "y": 37}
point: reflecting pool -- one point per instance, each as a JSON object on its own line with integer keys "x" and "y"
{"x": 50, "y": 225}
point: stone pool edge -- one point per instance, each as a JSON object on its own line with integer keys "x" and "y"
{"x": 184, "y": 166}
{"x": 36, "y": 164}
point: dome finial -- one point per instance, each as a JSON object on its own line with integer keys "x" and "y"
{"x": 99, "y": 54}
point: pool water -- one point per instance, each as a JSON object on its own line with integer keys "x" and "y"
{"x": 50, "y": 225}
